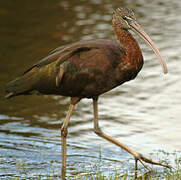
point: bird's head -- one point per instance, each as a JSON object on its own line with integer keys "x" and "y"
{"x": 124, "y": 18}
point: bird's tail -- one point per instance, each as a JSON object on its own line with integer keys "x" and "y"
{"x": 21, "y": 85}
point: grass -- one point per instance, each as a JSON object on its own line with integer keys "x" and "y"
{"x": 175, "y": 175}
{"x": 168, "y": 175}
{"x": 159, "y": 173}
{"x": 95, "y": 172}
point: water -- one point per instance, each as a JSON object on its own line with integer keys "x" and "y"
{"x": 144, "y": 113}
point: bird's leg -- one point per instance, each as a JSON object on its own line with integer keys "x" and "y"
{"x": 137, "y": 156}
{"x": 64, "y": 133}
{"x": 136, "y": 168}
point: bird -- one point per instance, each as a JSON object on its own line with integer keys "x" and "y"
{"x": 88, "y": 69}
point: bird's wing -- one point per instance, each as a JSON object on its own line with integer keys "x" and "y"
{"x": 68, "y": 47}
{"x": 62, "y": 53}
{"x": 58, "y": 49}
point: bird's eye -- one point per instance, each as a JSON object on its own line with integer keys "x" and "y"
{"x": 124, "y": 17}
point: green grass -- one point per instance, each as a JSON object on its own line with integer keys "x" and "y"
{"x": 158, "y": 173}
{"x": 147, "y": 176}
{"x": 95, "y": 172}
{"x": 169, "y": 175}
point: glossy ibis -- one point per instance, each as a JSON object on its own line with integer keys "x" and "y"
{"x": 87, "y": 69}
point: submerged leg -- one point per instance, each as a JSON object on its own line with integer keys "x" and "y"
{"x": 137, "y": 156}
{"x": 64, "y": 132}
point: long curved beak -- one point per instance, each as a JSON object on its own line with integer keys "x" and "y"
{"x": 137, "y": 28}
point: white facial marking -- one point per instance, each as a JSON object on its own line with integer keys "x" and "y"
{"x": 128, "y": 18}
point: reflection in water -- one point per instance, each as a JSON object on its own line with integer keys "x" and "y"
{"x": 144, "y": 113}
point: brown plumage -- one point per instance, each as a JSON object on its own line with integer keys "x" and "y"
{"x": 87, "y": 69}
{"x": 83, "y": 69}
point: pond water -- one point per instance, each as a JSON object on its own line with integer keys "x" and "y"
{"x": 144, "y": 113}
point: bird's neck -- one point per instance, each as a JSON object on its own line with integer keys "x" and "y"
{"x": 131, "y": 47}
{"x": 126, "y": 39}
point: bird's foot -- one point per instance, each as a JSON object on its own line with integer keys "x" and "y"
{"x": 144, "y": 160}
